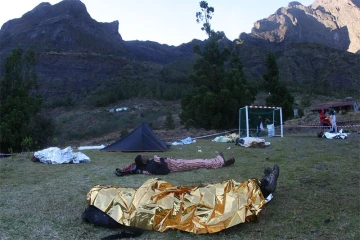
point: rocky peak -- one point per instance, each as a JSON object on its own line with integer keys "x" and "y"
{"x": 62, "y": 27}
{"x": 346, "y": 15}
{"x": 334, "y": 23}
{"x": 73, "y": 8}
{"x": 332, "y": 3}
{"x": 39, "y": 9}
{"x": 294, "y": 4}
{"x": 77, "y": 2}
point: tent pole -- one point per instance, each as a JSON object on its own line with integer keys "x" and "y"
{"x": 239, "y": 122}
{"x": 247, "y": 121}
{"x": 281, "y": 123}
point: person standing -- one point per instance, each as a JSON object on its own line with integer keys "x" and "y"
{"x": 333, "y": 121}
{"x": 324, "y": 119}
{"x": 258, "y": 126}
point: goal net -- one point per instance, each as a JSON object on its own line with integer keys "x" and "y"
{"x": 270, "y": 118}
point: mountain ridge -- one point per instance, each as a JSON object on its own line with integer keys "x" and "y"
{"x": 76, "y": 54}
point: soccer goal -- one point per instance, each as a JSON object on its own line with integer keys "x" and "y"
{"x": 270, "y": 117}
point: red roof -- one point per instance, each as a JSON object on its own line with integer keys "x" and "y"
{"x": 340, "y": 104}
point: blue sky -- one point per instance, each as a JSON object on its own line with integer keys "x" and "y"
{"x": 169, "y": 22}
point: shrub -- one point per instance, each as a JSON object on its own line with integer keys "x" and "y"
{"x": 169, "y": 122}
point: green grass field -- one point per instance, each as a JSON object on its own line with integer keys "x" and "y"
{"x": 318, "y": 193}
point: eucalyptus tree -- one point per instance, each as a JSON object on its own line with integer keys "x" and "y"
{"x": 204, "y": 16}
{"x": 219, "y": 91}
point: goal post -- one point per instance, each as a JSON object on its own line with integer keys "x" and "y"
{"x": 270, "y": 117}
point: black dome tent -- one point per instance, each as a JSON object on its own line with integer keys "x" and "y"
{"x": 141, "y": 139}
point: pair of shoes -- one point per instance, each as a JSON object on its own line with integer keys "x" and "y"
{"x": 228, "y": 162}
{"x": 320, "y": 134}
{"x": 271, "y": 177}
{"x": 118, "y": 172}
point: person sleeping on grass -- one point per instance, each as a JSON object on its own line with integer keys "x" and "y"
{"x": 166, "y": 165}
{"x": 160, "y": 206}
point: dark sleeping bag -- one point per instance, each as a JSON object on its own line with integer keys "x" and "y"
{"x": 99, "y": 218}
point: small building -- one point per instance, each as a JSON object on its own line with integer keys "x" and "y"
{"x": 121, "y": 109}
{"x": 348, "y": 106}
{"x": 118, "y": 109}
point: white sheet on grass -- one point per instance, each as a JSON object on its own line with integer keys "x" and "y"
{"x": 222, "y": 139}
{"x": 54, "y": 155}
{"x": 338, "y": 135}
{"x": 184, "y": 141}
{"x": 91, "y": 147}
{"x": 249, "y": 140}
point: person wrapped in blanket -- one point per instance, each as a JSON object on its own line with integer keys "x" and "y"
{"x": 159, "y": 205}
{"x": 166, "y": 165}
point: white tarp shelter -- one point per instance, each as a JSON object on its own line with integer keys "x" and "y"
{"x": 55, "y": 155}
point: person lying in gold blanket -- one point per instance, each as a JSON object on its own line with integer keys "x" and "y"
{"x": 159, "y": 205}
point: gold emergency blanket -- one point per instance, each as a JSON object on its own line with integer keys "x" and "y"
{"x": 159, "y": 205}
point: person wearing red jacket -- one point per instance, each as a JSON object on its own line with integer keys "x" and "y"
{"x": 324, "y": 119}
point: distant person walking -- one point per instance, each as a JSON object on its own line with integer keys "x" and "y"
{"x": 333, "y": 128}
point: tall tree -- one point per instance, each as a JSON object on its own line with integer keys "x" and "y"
{"x": 18, "y": 99}
{"x": 279, "y": 94}
{"x": 205, "y": 15}
{"x": 218, "y": 92}
{"x": 271, "y": 78}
